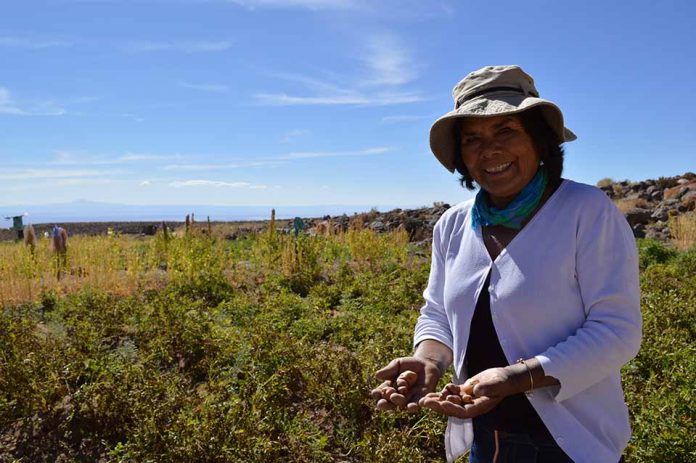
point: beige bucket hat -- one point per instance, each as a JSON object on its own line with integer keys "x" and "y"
{"x": 491, "y": 91}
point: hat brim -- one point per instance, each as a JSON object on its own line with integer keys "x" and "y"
{"x": 442, "y": 136}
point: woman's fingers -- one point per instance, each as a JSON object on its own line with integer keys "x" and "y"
{"x": 459, "y": 406}
{"x": 398, "y": 399}
{"x": 452, "y": 409}
{"x": 384, "y": 404}
{"x": 431, "y": 400}
{"x": 390, "y": 371}
{"x": 389, "y": 398}
{"x": 378, "y": 392}
{"x": 400, "y": 390}
{"x": 468, "y": 386}
{"x": 387, "y": 392}
{"x": 406, "y": 380}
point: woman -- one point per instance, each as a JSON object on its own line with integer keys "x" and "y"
{"x": 533, "y": 293}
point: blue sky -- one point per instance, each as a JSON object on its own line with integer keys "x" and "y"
{"x": 305, "y": 102}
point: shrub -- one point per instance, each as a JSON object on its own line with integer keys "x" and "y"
{"x": 652, "y": 252}
{"x": 659, "y": 382}
{"x": 686, "y": 261}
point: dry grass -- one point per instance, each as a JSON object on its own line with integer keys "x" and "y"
{"x": 683, "y": 231}
{"x": 115, "y": 264}
{"x": 625, "y": 204}
{"x": 123, "y": 264}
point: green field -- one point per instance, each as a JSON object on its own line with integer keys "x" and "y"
{"x": 263, "y": 350}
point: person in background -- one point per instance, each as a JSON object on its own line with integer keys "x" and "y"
{"x": 533, "y": 295}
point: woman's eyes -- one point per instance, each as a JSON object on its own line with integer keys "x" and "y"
{"x": 470, "y": 140}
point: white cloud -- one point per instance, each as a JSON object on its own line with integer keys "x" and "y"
{"x": 200, "y": 46}
{"x": 79, "y": 182}
{"x": 77, "y": 158}
{"x": 281, "y": 159}
{"x": 31, "y": 44}
{"x": 215, "y": 184}
{"x": 31, "y": 174}
{"x": 314, "y": 84}
{"x": 330, "y": 154}
{"x": 4, "y": 96}
{"x": 130, "y": 157}
{"x": 402, "y": 118}
{"x": 212, "y": 88}
{"x": 9, "y": 105}
{"x": 308, "y": 4}
{"x": 233, "y": 165}
{"x": 389, "y": 66}
{"x": 390, "y": 62}
{"x": 380, "y": 99}
{"x": 145, "y": 183}
{"x": 292, "y": 135}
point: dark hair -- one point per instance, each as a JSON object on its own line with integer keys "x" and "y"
{"x": 543, "y": 136}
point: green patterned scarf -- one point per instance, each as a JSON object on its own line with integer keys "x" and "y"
{"x": 517, "y": 211}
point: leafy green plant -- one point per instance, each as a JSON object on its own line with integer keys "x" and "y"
{"x": 652, "y": 252}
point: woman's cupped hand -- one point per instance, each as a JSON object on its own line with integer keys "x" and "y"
{"x": 406, "y": 381}
{"x": 478, "y": 395}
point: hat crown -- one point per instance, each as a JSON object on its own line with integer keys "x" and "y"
{"x": 490, "y": 79}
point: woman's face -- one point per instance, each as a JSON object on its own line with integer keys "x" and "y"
{"x": 499, "y": 155}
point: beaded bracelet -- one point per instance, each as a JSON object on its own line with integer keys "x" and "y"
{"x": 529, "y": 370}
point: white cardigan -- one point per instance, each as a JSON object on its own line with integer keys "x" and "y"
{"x": 565, "y": 291}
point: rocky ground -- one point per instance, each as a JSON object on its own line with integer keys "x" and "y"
{"x": 647, "y": 205}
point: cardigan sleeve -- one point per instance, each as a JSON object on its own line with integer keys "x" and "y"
{"x": 432, "y": 322}
{"x": 607, "y": 274}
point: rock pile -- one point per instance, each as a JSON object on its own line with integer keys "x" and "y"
{"x": 649, "y": 204}
{"x": 418, "y": 223}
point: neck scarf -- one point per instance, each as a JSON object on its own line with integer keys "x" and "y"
{"x": 517, "y": 211}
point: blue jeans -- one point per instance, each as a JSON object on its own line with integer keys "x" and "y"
{"x": 515, "y": 448}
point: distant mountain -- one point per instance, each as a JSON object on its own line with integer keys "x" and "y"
{"x": 90, "y": 211}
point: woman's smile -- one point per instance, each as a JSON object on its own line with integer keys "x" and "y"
{"x": 498, "y": 169}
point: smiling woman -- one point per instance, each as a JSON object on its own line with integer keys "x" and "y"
{"x": 533, "y": 293}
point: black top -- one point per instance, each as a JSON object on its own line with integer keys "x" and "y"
{"x": 514, "y": 414}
